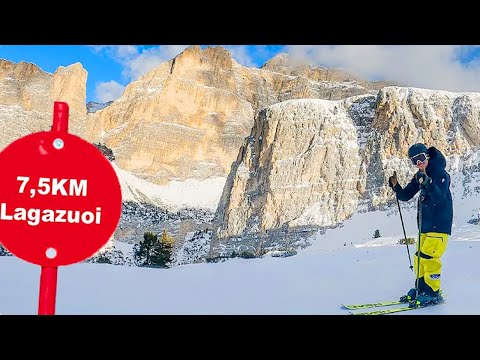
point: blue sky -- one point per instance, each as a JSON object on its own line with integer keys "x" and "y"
{"x": 111, "y": 68}
{"x": 108, "y": 66}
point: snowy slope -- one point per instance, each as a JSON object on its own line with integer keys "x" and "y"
{"x": 174, "y": 196}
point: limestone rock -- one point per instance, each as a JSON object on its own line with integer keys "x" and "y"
{"x": 27, "y": 96}
{"x": 308, "y": 165}
{"x": 188, "y": 117}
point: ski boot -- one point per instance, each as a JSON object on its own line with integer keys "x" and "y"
{"x": 424, "y": 299}
{"x": 409, "y": 297}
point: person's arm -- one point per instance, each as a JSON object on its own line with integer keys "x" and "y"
{"x": 408, "y": 192}
{"x": 437, "y": 188}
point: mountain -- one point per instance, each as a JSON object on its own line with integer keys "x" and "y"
{"x": 93, "y": 106}
{"x": 27, "y": 95}
{"x": 309, "y": 165}
{"x": 184, "y": 120}
{"x": 336, "y": 83}
{"x": 187, "y": 118}
{"x": 242, "y": 160}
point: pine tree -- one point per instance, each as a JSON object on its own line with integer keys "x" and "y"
{"x": 376, "y": 234}
{"x": 4, "y": 252}
{"x": 167, "y": 248}
{"x": 146, "y": 252}
{"x": 154, "y": 252}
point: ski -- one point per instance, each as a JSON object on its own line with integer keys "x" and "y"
{"x": 371, "y": 305}
{"x": 374, "y": 304}
{"x": 383, "y": 311}
{"x": 393, "y": 310}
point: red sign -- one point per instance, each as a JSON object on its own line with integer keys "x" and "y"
{"x": 60, "y": 199}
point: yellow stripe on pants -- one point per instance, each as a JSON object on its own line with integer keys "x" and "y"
{"x": 432, "y": 244}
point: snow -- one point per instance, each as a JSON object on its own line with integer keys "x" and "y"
{"x": 95, "y": 106}
{"x": 335, "y": 84}
{"x": 203, "y": 194}
{"x": 353, "y": 268}
{"x": 405, "y": 91}
{"x": 345, "y": 264}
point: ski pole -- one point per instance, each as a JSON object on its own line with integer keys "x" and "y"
{"x": 419, "y": 247}
{"x": 403, "y": 226}
{"x": 404, "y": 234}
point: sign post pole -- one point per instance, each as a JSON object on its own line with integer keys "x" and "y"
{"x": 48, "y": 290}
{"x": 48, "y": 276}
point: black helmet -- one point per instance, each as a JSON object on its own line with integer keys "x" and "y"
{"x": 417, "y": 149}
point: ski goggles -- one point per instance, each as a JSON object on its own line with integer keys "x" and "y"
{"x": 419, "y": 158}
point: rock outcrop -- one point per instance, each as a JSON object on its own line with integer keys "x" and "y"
{"x": 311, "y": 164}
{"x": 187, "y": 118}
{"x": 27, "y": 95}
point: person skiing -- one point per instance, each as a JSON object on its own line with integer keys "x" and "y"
{"x": 434, "y": 219}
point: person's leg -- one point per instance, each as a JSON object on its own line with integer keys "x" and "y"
{"x": 419, "y": 271}
{"x": 433, "y": 247}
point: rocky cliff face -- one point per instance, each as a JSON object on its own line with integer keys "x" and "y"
{"x": 182, "y": 120}
{"x": 93, "y": 106}
{"x": 336, "y": 84}
{"x": 310, "y": 164}
{"x": 27, "y": 95}
{"x": 304, "y": 148}
{"x": 187, "y": 118}
{"x": 447, "y": 120}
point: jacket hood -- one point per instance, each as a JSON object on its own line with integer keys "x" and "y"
{"x": 437, "y": 161}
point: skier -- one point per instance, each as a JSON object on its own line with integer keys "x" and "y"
{"x": 434, "y": 218}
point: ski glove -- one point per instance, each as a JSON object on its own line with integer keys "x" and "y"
{"x": 423, "y": 179}
{"x": 392, "y": 180}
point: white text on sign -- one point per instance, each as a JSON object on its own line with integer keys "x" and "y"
{"x": 34, "y": 216}
{"x": 54, "y": 186}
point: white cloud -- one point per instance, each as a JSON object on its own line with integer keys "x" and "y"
{"x": 108, "y": 91}
{"x": 126, "y": 51}
{"x": 425, "y": 66}
{"x": 241, "y": 55}
{"x": 117, "y": 52}
{"x": 136, "y": 60}
{"x": 149, "y": 59}
{"x": 251, "y": 55}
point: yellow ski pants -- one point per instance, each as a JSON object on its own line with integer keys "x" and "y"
{"x": 432, "y": 246}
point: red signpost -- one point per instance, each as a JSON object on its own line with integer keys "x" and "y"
{"x": 60, "y": 201}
